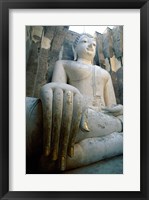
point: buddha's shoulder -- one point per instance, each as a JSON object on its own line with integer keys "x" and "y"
{"x": 75, "y": 65}
{"x": 67, "y": 63}
{"x": 101, "y": 70}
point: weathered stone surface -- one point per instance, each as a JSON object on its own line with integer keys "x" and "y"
{"x": 99, "y": 39}
{"x": 42, "y": 55}
{"x": 119, "y": 74}
{"x": 28, "y": 42}
{"x": 34, "y": 130}
{"x": 107, "y": 65}
{"x": 115, "y": 85}
{"x": 117, "y": 79}
{"x": 108, "y": 43}
{"x": 67, "y": 45}
{"x": 108, "y": 166}
{"x": 66, "y": 52}
{"x": 115, "y": 64}
{"x": 94, "y": 149}
{"x": 37, "y": 32}
{"x": 57, "y": 38}
{"x": 46, "y": 43}
{"x": 117, "y": 34}
{"x": 32, "y": 60}
{"x": 41, "y": 75}
{"x": 49, "y": 32}
{"x": 89, "y": 151}
{"x": 31, "y": 69}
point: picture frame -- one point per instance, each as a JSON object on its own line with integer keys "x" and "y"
{"x": 4, "y": 96}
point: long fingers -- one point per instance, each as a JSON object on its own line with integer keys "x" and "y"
{"x": 62, "y": 111}
{"x": 56, "y": 121}
{"x": 65, "y": 127}
{"x": 77, "y": 112}
{"x": 46, "y": 97}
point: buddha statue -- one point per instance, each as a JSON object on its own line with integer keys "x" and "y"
{"x": 77, "y": 107}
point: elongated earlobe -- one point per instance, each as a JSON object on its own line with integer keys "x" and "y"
{"x": 74, "y": 53}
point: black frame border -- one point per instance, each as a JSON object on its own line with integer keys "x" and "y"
{"x": 5, "y": 5}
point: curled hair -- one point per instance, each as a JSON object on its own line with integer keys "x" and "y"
{"x": 78, "y": 37}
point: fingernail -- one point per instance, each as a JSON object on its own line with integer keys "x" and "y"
{"x": 54, "y": 155}
{"x": 63, "y": 163}
{"x": 71, "y": 151}
{"x": 46, "y": 151}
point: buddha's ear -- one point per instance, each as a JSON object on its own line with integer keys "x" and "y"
{"x": 74, "y": 53}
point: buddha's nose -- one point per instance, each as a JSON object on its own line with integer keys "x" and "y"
{"x": 90, "y": 44}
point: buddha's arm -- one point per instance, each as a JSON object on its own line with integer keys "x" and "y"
{"x": 110, "y": 101}
{"x": 59, "y": 74}
{"x": 109, "y": 94}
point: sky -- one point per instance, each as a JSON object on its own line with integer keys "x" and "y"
{"x": 89, "y": 29}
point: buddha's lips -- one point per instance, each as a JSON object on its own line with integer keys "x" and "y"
{"x": 90, "y": 49}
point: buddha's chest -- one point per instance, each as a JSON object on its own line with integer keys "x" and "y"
{"x": 77, "y": 71}
{"x": 88, "y": 81}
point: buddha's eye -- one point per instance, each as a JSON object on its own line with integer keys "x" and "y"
{"x": 84, "y": 41}
{"x": 94, "y": 44}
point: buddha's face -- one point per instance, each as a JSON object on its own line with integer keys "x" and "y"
{"x": 86, "y": 47}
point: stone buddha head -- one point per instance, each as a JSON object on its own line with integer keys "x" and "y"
{"x": 84, "y": 47}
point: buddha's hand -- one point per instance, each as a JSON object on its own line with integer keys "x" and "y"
{"x": 115, "y": 110}
{"x": 62, "y": 110}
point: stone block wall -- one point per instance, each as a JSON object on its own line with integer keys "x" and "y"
{"x": 47, "y": 44}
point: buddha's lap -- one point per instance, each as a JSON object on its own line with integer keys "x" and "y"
{"x": 99, "y": 124}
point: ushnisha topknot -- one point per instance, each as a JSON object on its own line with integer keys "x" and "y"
{"x": 78, "y": 37}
